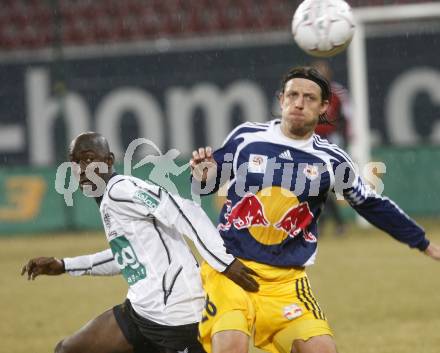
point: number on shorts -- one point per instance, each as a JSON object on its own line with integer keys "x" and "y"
{"x": 210, "y": 309}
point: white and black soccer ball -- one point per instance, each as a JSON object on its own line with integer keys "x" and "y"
{"x": 323, "y": 27}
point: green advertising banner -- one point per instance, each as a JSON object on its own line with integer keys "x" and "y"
{"x": 412, "y": 178}
{"x": 29, "y": 202}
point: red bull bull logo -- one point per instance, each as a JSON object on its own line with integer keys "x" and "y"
{"x": 249, "y": 211}
{"x": 271, "y": 225}
{"x": 296, "y": 220}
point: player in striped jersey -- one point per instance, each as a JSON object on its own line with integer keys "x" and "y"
{"x": 144, "y": 226}
{"x": 279, "y": 175}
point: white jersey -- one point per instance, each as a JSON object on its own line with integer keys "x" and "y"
{"x": 144, "y": 226}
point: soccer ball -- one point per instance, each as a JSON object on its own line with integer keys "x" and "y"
{"x": 323, "y": 27}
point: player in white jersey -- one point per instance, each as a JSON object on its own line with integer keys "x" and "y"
{"x": 144, "y": 226}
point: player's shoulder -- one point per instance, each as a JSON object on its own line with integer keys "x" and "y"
{"x": 129, "y": 188}
{"x": 248, "y": 127}
{"x": 335, "y": 152}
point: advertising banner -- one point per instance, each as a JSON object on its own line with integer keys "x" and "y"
{"x": 187, "y": 98}
{"x": 29, "y": 202}
{"x": 184, "y": 98}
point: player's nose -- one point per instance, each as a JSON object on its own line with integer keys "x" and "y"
{"x": 299, "y": 102}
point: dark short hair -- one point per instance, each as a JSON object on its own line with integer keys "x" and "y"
{"x": 311, "y": 74}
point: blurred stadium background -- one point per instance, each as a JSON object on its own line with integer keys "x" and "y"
{"x": 183, "y": 73}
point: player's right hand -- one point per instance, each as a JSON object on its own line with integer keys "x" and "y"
{"x": 241, "y": 274}
{"x": 203, "y": 164}
{"x": 43, "y": 266}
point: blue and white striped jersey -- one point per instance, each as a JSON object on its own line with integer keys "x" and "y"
{"x": 277, "y": 189}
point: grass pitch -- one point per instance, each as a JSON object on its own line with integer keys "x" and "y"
{"x": 379, "y": 296}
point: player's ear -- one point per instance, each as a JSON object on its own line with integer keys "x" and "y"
{"x": 324, "y": 105}
{"x": 281, "y": 98}
{"x": 111, "y": 159}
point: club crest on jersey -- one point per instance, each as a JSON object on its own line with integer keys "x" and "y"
{"x": 311, "y": 171}
{"x": 257, "y": 163}
{"x": 292, "y": 311}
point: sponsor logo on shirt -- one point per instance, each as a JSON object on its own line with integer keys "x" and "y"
{"x": 256, "y": 213}
{"x": 127, "y": 261}
{"x": 296, "y": 220}
{"x": 145, "y": 198}
{"x": 286, "y": 155}
{"x": 249, "y": 211}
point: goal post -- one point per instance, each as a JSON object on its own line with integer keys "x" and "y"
{"x": 358, "y": 72}
{"x": 357, "y": 66}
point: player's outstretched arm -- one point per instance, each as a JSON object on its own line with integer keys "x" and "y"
{"x": 380, "y": 211}
{"x": 50, "y": 266}
{"x": 433, "y": 250}
{"x": 97, "y": 264}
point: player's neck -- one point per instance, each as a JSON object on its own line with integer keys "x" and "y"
{"x": 295, "y": 135}
{"x": 108, "y": 176}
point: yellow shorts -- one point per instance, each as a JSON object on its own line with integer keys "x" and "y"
{"x": 283, "y": 310}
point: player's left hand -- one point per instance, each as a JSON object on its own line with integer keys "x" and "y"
{"x": 203, "y": 165}
{"x": 241, "y": 274}
{"x": 433, "y": 251}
